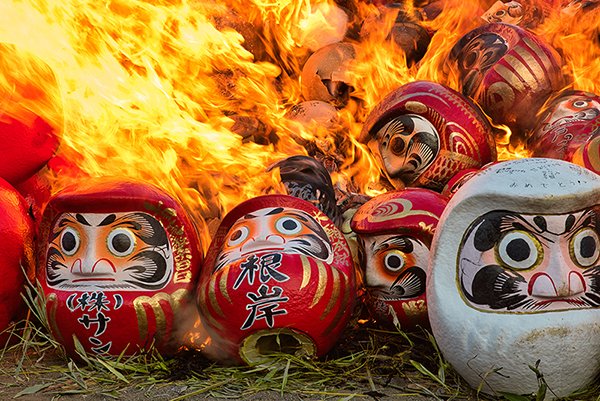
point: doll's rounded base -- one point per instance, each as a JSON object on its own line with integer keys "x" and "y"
{"x": 259, "y": 347}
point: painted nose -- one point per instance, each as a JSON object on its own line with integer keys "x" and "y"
{"x": 91, "y": 264}
{"x": 559, "y": 280}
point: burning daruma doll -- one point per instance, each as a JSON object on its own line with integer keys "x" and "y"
{"x": 515, "y": 277}
{"x": 118, "y": 268}
{"x": 278, "y": 277}
{"x": 395, "y": 231}
{"x": 423, "y": 133}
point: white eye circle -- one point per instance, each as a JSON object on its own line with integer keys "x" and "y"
{"x": 519, "y": 250}
{"x": 584, "y": 247}
{"x": 580, "y": 104}
{"x": 69, "y": 241}
{"x": 288, "y": 226}
{"x": 121, "y": 242}
{"x": 238, "y": 236}
{"x": 394, "y": 260}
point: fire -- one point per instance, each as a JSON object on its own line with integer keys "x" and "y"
{"x": 194, "y": 96}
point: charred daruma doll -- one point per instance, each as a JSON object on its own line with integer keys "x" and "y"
{"x": 507, "y": 70}
{"x": 118, "y": 267}
{"x": 395, "y": 231}
{"x": 515, "y": 278}
{"x": 278, "y": 277}
{"x": 423, "y": 133}
{"x": 17, "y": 262}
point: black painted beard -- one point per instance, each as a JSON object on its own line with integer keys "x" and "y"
{"x": 499, "y": 289}
{"x": 409, "y": 284}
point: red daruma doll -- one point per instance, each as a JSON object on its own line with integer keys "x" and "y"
{"x": 118, "y": 267}
{"x": 16, "y": 229}
{"x": 278, "y": 277}
{"x": 395, "y": 231}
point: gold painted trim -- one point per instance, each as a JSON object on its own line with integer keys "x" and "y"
{"x": 522, "y": 70}
{"x": 321, "y": 285}
{"x": 334, "y": 294}
{"x": 306, "y": 271}
{"x": 212, "y": 296}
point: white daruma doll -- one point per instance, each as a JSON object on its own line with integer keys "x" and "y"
{"x": 515, "y": 278}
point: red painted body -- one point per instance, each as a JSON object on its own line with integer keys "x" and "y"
{"x": 16, "y": 231}
{"x": 566, "y": 125}
{"x": 507, "y": 70}
{"x": 128, "y": 309}
{"x": 398, "y": 225}
{"x": 275, "y": 287}
{"x": 26, "y": 147}
{"x": 462, "y": 135}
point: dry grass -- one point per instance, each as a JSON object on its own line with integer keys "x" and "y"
{"x": 367, "y": 363}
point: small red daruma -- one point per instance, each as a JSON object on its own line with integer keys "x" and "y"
{"x": 278, "y": 277}
{"x": 567, "y": 123}
{"x": 118, "y": 266}
{"x": 16, "y": 228}
{"x": 395, "y": 230}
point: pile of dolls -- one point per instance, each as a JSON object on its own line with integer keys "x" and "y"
{"x": 499, "y": 259}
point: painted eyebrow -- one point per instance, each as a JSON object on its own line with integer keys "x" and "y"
{"x": 512, "y": 222}
{"x": 108, "y": 220}
{"x": 121, "y": 221}
{"x": 67, "y": 219}
{"x": 581, "y": 222}
{"x": 401, "y": 242}
{"x": 82, "y": 220}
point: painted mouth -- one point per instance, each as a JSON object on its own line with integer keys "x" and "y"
{"x": 80, "y": 280}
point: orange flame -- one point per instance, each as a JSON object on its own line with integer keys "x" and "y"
{"x": 194, "y": 96}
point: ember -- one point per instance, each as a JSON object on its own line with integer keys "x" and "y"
{"x": 214, "y": 102}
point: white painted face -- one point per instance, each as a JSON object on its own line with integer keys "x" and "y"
{"x": 109, "y": 251}
{"x": 407, "y": 145}
{"x": 277, "y": 229}
{"x": 395, "y": 266}
{"x": 512, "y": 262}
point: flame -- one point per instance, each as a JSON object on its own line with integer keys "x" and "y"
{"x": 194, "y": 96}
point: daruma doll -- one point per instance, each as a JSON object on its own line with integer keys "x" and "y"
{"x": 278, "y": 277}
{"x": 17, "y": 262}
{"x": 118, "y": 267}
{"x": 566, "y": 128}
{"x": 514, "y": 279}
{"x": 395, "y": 231}
{"x": 507, "y": 70}
{"x": 423, "y": 133}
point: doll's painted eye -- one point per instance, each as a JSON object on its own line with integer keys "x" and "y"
{"x": 238, "y": 236}
{"x": 121, "y": 242}
{"x": 584, "y": 247}
{"x": 288, "y": 226}
{"x": 519, "y": 250}
{"x": 69, "y": 241}
{"x": 394, "y": 260}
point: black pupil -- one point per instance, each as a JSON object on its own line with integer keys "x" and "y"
{"x": 518, "y": 249}
{"x": 69, "y": 242}
{"x": 290, "y": 225}
{"x": 397, "y": 145}
{"x": 236, "y": 235}
{"x": 588, "y": 246}
{"x": 394, "y": 262}
{"x": 121, "y": 243}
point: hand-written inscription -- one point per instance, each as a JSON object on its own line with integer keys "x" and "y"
{"x": 93, "y": 304}
{"x": 266, "y": 302}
